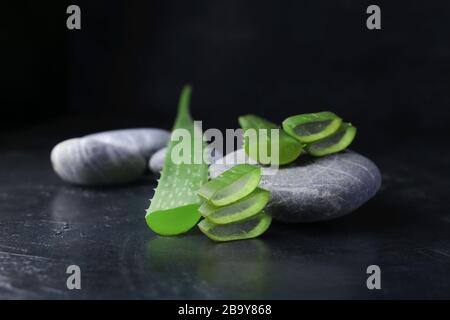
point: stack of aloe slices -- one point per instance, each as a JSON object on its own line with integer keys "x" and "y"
{"x": 233, "y": 205}
{"x": 317, "y": 134}
{"x": 323, "y": 132}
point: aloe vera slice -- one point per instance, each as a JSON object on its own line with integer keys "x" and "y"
{"x": 174, "y": 207}
{"x": 311, "y": 127}
{"x": 231, "y": 185}
{"x": 245, "y": 229}
{"x": 334, "y": 143}
{"x": 237, "y": 211}
{"x": 289, "y": 148}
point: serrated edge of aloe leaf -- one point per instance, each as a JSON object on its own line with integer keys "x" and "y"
{"x": 296, "y": 147}
{"x": 260, "y": 228}
{"x": 249, "y": 212}
{"x": 250, "y": 186}
{"x": 292, "y": 122}
{"x": 346, "y": 140}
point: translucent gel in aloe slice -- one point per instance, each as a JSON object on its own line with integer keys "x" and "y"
{"x": 237, "y": 211}
{"x": 312, "y": 127}
{"x": 245, "y": 229}
{"x": 231, "y": 185}
{"x": 334, "y": 143}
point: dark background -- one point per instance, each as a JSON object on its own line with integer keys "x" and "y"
{"x": 274, "y": 58}
{"x": 126, "y": 67}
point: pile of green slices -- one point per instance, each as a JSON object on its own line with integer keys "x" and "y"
{"x": 317, "y": 134}
{"x": 233, "y": 205}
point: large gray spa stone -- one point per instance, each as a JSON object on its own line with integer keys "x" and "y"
{"x": 314, "y": 189}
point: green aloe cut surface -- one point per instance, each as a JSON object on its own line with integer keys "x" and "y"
{"x": 174, "y": 207}
{"x": 237, "y": 211}
{"x": 340, "y": 140}
{"x": 312, "y": 127}
{"x": 231, "y": 185}
{"x": 245, "y": 229}
{"x": 289, "y": 148}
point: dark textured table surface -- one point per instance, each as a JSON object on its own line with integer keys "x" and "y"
{"x": 47, "y": 225}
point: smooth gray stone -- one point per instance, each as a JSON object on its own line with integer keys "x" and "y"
{"x": 106, "y": 158}
{"x": 314, "y": 189}
{"x": 156, "y": 162}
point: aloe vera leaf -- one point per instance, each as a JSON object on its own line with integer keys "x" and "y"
{"x": 237, "y": 211}
{"x": 245, "y": 229}
{"x": 334, "y": 143}
{"x": 289, "y": 148}
{"x": 174, "y": 207}
{"x": 312, "y": 127}
{"x": 232, "y": 185}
